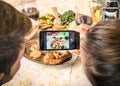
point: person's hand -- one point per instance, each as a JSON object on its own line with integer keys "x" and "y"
{"x": 82, "y": 28}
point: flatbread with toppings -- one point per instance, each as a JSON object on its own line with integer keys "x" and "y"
{"x": 45, "y": 57}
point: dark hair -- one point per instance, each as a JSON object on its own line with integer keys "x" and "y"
{"x": 13, "y": 28}
{"x": 101, "y": 50}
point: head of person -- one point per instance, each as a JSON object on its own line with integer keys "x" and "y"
{"x": 13, "y": 28}
{"x": 101, "y": 53}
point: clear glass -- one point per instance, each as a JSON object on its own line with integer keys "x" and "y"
{"x": 83, "y": 19}
{"x": 96, "y": 7}
{"x": 29, "y": 8}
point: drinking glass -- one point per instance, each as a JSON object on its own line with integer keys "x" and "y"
{"x": 83, "y": 17}
{"x": 29, "y": 8}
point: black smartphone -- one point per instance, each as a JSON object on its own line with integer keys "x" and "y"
{"x": 59, "y": 40}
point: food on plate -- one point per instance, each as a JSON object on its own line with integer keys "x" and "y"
{"x": 67, "y": 17}
{"x": 60, "y": 28}
{"x": 59, "y": 43}
{"x": 46, "y": 57}
{"x": 46, "y": 21}
{"x": 55, "y": 45}
{"x": 32, "y": 49}
{"x": 56, "y": 57}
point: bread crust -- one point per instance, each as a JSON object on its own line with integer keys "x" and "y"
{"x": 46, "y": 57}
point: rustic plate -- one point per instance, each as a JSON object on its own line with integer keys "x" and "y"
{"x": 65, "y": 62}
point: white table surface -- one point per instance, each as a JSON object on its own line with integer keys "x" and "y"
{"x": 34, "y": 74}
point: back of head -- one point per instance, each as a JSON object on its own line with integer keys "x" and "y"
{"x": 101, "y": 50}
{"x": 13, "y": 27}
{"x": 12, "y": 21}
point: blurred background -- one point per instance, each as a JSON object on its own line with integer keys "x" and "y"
{"x": 45, "y": 5}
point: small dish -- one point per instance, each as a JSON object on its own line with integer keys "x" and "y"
{"x": 31, "y": 12}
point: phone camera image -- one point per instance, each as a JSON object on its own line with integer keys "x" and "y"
{"x": 59, "y": 40}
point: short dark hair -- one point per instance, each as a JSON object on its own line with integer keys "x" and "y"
{"x": 101, "y": 48}
{"x": 13, "y": 27}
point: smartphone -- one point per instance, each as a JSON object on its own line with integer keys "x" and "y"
{"x": 59, "y": 40}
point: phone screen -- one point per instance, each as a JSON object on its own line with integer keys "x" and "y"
{"x": 59, "y": 40}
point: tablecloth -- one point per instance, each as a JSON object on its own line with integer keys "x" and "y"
{"x": 34, "y": 74}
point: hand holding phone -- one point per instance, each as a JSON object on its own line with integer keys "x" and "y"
{"x": 59, "y": 40}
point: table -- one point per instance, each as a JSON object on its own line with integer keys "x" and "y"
{"x": 34, "y": 74}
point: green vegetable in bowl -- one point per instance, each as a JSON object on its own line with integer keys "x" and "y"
{"x": 67, "y": 17}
